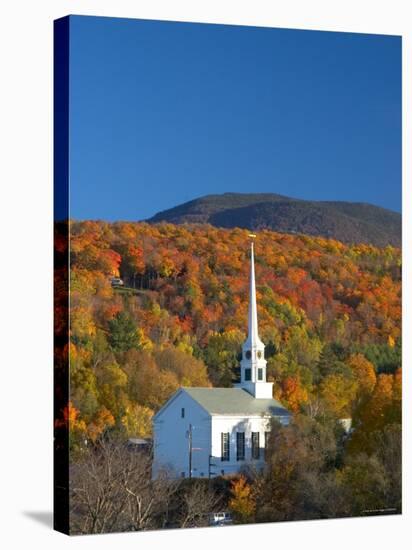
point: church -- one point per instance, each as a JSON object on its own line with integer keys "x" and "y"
{"x": 208, "y": 432}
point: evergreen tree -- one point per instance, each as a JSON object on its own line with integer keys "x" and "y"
{"x": 123, "y": 333}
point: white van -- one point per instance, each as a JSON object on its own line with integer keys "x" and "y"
{"x": 220, "y": 518}
{"x": 116, "y": 281}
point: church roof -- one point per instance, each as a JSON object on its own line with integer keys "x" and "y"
{"x": 235, "y": 401}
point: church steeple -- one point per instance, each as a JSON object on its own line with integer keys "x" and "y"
{"x": 253, "y": 363}
{"x": 253, "y": 333}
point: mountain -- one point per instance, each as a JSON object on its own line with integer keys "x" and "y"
{"x": 349, "y": 222}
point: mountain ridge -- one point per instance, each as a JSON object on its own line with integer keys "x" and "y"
{"x": 350, "y": 222}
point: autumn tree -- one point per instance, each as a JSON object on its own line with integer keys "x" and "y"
{"x": 365, "y": 482}
{"x": 76, "y": 427}
{"x": 133, "y": 264}
{"x": 364, "y": 373}
{"x": 189, "y": 370}
{"x": 111, "y": 382}
{"x": 242, "y": 502}
{"x": 137, "y": 420}
{"x": 102, "y": 421}
{"x": 339, "y": 392}
{"x": 147, "y": 384}
{"x": 300, "y": 481}
{"x": 292, "y": 393}
{"x": 382, "y": 408}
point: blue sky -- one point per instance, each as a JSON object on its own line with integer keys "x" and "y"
{"x": 161, "y": 113}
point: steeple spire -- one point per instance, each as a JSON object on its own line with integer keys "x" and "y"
{"x": 253, "y": 333}
{"x": 253, "y": 363}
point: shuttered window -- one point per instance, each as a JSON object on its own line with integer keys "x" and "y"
{"x": 225, "y": 446}
{"x": 240, "y": 446}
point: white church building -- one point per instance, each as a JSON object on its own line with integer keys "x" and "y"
{"x": 207, "y": 432}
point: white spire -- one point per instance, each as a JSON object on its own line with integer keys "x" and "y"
{"x": 253, "y": 339}
{"x": 253, "y": 363}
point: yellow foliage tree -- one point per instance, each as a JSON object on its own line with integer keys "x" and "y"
{"x": 111, "y": 384}
{"x": 137, "y": 420}
{"x": 339, "y": 394}
{"x": 364, "y": 373}
{"x": 144, "y": 341}
{"x": 383, "y": 407}
{"x": 242, "y": 502}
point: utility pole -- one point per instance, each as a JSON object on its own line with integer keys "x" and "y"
{"x": 211, "y": 465}
{"x": 190, "y": 450}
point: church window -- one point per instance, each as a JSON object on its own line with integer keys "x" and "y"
{"x": 182, "y": 414}
{"x": 260, "y": 374}
{"x": 248, "y": 354}
{"x": 255, "y": 446}
{"x": 225, "y": 447}
{"x": 248, "y": 375}
{"x": 240, "y": 446}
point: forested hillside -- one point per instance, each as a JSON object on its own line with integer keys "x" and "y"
{"x": 329, "y": 314}
{"x": 348, "y": 222}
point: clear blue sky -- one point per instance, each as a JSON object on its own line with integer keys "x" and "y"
{"x": 162, "y": 113}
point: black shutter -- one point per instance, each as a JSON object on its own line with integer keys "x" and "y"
{"x": 240, "y": 446}
{"x": 255, "y": 446}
